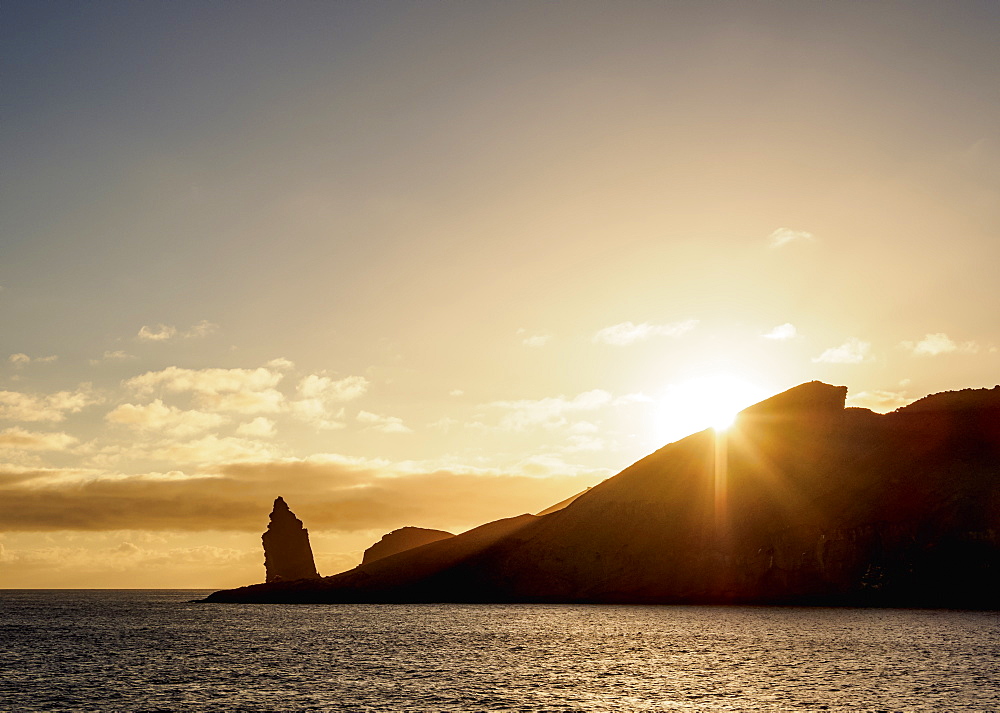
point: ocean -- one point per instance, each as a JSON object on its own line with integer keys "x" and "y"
{"x": 155, "y": 650}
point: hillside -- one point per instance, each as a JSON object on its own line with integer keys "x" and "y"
{"x": 802, "y": 501}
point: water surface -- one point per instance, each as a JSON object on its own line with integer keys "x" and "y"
{"x": 154, "y": 650}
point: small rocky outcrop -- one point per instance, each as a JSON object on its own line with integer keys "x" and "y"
{"x": 287, "y": 554}
{"x": 405, "y": 538}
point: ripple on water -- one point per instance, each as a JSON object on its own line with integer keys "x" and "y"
{"x": 153, "y": 650}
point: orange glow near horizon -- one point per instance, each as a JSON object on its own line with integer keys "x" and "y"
{"x": 438, "y": 264}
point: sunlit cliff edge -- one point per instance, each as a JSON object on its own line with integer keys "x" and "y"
{"x": 802, "y": 501}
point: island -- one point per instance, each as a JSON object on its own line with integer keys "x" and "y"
{"x": 802, "y": 501}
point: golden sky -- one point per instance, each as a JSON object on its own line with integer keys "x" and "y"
{"x": 437, "y": 263}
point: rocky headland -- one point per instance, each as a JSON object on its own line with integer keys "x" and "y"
{"x": 802, "y": 501}
{"x": 405, "y": 538}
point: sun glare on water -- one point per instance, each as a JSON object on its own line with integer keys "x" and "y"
{"x": 705, "y": 401}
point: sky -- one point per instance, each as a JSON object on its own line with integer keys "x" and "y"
{"x": 436, "y": 263}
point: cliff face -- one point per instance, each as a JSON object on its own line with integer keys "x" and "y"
{"x": 802, "y": 501}
{"x": 405, "y": 538}
{"x": 287, "y": 553}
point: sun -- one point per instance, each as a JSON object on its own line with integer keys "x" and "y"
{"x": 705, "y": 401}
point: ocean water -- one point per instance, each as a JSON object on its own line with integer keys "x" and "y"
{"x": 142, "y": 650}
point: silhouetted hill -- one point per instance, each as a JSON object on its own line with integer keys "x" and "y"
{"x": 405, "y": 538}
{"x": 561, "y": 504}
{"x": 412, "y": 575}
{"x": 803, "y": 501}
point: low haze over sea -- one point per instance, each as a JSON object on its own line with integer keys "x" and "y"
{"x": 156, "y": 650}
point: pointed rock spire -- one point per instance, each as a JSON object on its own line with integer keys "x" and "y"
{"x": 287, "y": 554}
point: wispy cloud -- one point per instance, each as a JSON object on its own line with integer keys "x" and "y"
{"x": 259, "y": 427}
{"x": 158, "y": 417}
{"x": 118, "y": 355}
{"x": 202, "y": 329}
{"x": 318, "y": 413}
{"x": 19, "y": 360}
{"x": 349, "y": 388}
{"x": 385, "y": 424}
{"x": 19, "y": 439}
{"x": 853, "y": 351}
{"x": 333, "y": 493}
{"x": 164, "y": 332}
{"x": 549, "y": 412}
{"x": 112, "y": 356}
{"x": 626, "y": 333}
{"x": 212, "y": 449}
{"x": 939, "y": 343}
{"x": 156, "y": 334}
{"x": 239, "y": 390}
{"x": 784, "y": 236}
{"x": 537, "y": 340}
{"x": 18, "y": 406}
{"x": 781, "y": 333}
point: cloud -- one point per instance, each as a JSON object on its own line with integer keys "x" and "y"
{"x": 259, "y": 427}
{"x": 328, "y": 492}
{"x": 321, "y": 395}
{"x": 323, "y": 387}
{"x": 626, "y": 333}
{"x": 784, "y": 236}
{"x": 281, "y": 364}
{"x": 202, "y": 329}
{"x": 160, "y": 334}
{"x": 19, "y": 439}
{"x": 112, "y": 356}
{"x": 212, "y": 449}
{"x": 18, "y": 406}
{"x": 385, "y": 424}
{"x": 781, "y": 333}
{"x": 20, "y": 360}
{"x": 246, "y": 402}
{"x": 318, "y": 413}
{"x": 548, "y": 412}
{"x": 853, "y": 351}
{"x": 939, "y": 343}
{"x": 239, "y": 390}
{"x": 165, "y": 332}
{"x": 157, "y": 416}
{"x": 456, "y": 392}
{"x": 537, "y": 340}
{"x": 880, "y": 401}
